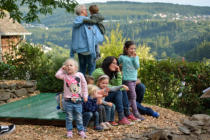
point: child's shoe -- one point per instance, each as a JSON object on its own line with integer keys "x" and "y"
{"x": 99, "y": 128}
{"x": 132, "y": 117}
{"x": 155, "y": 114}
{"x": 139, "y": 117}
{"x": 104, "y": 126}
{"x": 69, "y": 134}
{"x": 113, "y": 123}
{"x": 124, "y": 121}
{"x": 82, "y": 134}
{"x": 108, "y": 125}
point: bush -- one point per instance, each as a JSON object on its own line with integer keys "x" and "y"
{"x": 31, "y": 63}
{"x": 163, "y": 80}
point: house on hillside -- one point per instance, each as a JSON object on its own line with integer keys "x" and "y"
{"x": 11, "y": 34}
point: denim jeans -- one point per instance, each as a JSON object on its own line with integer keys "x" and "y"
{"x": 86, "y": 62}
{"x": 87, "y": 116}
{"x": 117, "y": 98}
{"x": 126, "y": 104}
{"x": 73, "y": 112}
{"x": 110, "y": 110}
{"x": 102, "y": 113}
{"x": 140, "y": 90}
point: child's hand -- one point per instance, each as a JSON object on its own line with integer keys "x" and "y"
{"x": 125, "y": 87}
{"x": 64, "y": 67}
{"x": 138, "y": 81}
{"x": 99, "y": 101}
{"x": 109, "y": 104}
{"x": 134, "y": 54}
{"x": 98, "y": 94}
{"x": 106, "y": 91}
{"x": 85, "y": 99}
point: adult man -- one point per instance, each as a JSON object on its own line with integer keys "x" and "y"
{"x": 84, "y": 39}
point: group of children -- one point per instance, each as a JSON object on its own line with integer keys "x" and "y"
{"x": 83, "y": 97}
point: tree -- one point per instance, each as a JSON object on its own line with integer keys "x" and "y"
{"x": 32, "y": 8}
{"x": 113, "y": 46}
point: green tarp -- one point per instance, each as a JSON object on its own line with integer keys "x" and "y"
{"x": 42, "y": 106}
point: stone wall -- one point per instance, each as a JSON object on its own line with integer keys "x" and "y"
{"x": 10, "y": 89}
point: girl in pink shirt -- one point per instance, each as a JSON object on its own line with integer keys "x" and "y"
{"x": 75, "y": 90}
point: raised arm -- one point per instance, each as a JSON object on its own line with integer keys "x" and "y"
{"x": 60, "y": 74}
{"x": 135, "y": 61}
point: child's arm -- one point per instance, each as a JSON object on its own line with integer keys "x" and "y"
{"x": 90, "y": 21}
{"x": 135, "y": 61}
{"x": 60, "y": 74}
{"x": 94, "y": 19}
{"x": 84, "y": 88}
{"x": 116, "y": 88}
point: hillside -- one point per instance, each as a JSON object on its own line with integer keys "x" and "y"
{"x": 166, "y": 28}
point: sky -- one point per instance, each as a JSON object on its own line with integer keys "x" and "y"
{"x": 184, "y": 2}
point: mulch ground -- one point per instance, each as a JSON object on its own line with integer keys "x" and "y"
{"x": 167, "y": 119}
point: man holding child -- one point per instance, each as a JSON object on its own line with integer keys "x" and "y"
{"x": 85, "y": 38}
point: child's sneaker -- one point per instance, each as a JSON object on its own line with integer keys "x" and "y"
{"x": 82, "y": 134}
{"x": 69, "y": 134}
{"x": 99, "y": 128}
{"x": 132, "y": 117}
{"x": 105, "y": 127}
{"x": 124, "y": 121}
{"x": 155, "y": 114}
{"x": 6, "y": 129}
{"x": 139, "y": 117}
{"x": 108, "y": 125}
{"x": 113, "y": 123}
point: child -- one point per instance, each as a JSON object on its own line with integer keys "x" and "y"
{"x": 102, "y": 83}
{"x": 130, "y": 65}
{"x": 89, "y": 79}
{"x": 96, "y": 18}
{"x": 75, "y": 88}
{"x": 90, "y": 108}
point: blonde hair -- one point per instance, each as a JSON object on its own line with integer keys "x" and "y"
{"x": 101, "y": 78}
{"x": 92, "y": 89}
{"x": 71, "y": 60}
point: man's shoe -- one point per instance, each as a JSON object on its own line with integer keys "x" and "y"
{"x": 6, "y": 129}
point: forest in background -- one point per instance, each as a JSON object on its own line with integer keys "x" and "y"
{"x": 170, "y": 30}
